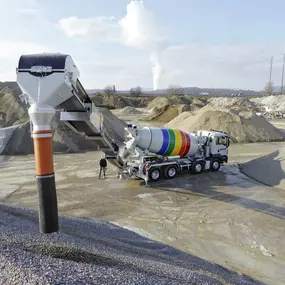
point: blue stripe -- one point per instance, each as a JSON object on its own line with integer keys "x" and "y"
{"x": 165, "y": 143}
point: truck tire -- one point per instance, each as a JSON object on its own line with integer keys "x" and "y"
{"x": 215, "y": 164}
{"x": 170, "y": 172}
{"x": 154, "y": 174}
{"x": 197, "y": 167}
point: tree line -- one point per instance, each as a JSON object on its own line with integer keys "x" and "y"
{"x": 137, "y": 91}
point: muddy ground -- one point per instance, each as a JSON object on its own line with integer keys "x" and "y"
{"x": 223, "y": 217}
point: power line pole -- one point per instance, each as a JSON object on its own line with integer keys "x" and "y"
{"x": 282, "y": 78}
{"x": 270, "y": 77}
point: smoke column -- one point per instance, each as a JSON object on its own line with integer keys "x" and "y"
{"x": 139, "y": 31}
{"x": 156, "y": 69}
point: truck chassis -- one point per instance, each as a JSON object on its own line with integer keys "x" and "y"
{"x": 154, "y": 168}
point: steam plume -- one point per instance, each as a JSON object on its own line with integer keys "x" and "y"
{"x": 139, "y": 31}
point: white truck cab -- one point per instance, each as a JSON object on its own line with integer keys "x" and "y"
{"x": 217, "y": 142}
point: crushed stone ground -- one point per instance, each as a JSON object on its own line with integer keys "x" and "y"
{"x": 92, "y": 252}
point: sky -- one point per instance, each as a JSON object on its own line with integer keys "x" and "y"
{"x": 150, "y": 43}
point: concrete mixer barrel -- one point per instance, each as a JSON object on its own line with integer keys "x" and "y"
{"x": 167, "y": 142}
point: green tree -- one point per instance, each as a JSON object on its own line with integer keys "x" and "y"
{"x": 136, "y": 91}
{"x": 110, "y": 90}
{"x": 268, "y": 88}
{"x": 174, "y": 90}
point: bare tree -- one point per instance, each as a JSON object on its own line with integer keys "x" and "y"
{"x": 136, "y": 91}
{"x": 110, "y": 90}
{"x": 174, "y": 90}
{"x": 269, "y": 88}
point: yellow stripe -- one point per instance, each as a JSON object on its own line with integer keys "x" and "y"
{"x": 178, "y": 143}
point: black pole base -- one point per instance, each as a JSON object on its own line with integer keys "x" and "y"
{"x": 48, "y": 212}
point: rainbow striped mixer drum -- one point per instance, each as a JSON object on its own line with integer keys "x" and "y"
{"x": 168, "y": 142}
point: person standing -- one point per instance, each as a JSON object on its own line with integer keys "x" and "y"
{"x": 103, "y": 166}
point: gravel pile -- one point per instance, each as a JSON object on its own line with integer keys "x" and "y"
{"x": 271, "y": 103}
{"x": 167, "y": 113}
{"x": 129, "y": 111}
{"x": 243, "y": 127}
{"x": 111, "y": 101}
{"x": 93, "y": 252}
{"x": 160, "y": 102}
{"x": 271, "y": 106}
{"x": 11, "y": 112}
{"x": 235, "y": 103}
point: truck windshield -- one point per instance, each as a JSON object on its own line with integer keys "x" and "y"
{"x": 222, "y": 140}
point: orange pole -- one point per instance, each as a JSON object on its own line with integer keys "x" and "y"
{"x": 48, "y": 212}
{"x": 43, "y": 152}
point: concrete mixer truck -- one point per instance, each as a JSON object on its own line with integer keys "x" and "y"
{"x": 155, "y": 153}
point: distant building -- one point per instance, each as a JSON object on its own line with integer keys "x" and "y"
{"x": 204, "y": 94}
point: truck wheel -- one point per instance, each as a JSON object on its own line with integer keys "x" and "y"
{"x": 170, "y": 172}
{"x": 197, "y": 167}
{"x": 215, "y": 165}
{"x": 154, "y": 174}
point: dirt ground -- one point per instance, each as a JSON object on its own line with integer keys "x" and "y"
{"x": 223, "y": 217}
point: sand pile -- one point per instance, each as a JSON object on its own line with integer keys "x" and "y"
{"x": 12, "y": 86}
{"x": 164, "y": 109}
{"x": 129, "y": 111}
{"x": 15, "y": 112}
{"x": 64, "y": 141}
{"x": 160, "y": 102}
{"x": 111, "y": 102}
{"x": 166, "y": 113}
{"x": 241, "y": 126}
{"x": 11, "y": 112}
{"x": 232, "y": 103}
{"x": 140, "y": 102}
{"x": 268, "y": 169}
{"x": 89, "y": 251}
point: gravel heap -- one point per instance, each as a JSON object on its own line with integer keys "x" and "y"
{"x": 243, "y": 127}
{"x": 11, "y": 112}
{"x": 271, "y": 103}
{"x": 167, "y": 113}
{"x": 235, "y": 103}
{"x": 271, "y": 106}
{"x": 111, "y": 101}
{"x": 160, "y": 102}
{"x": 129, "y": 111}
{"x": 92, "y": 252}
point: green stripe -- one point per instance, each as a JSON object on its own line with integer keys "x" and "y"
{"x": 171, "y": 144}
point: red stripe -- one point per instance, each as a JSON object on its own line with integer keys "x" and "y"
{"x": 184, "y": 141}
{"x": 42, "y": 132}
{"x": 188, "y": 145}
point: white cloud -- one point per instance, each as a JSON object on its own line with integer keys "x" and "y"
{"x": 138, "y": 27}
{"x": 10, "y": 52}
{"x": 13, "y": 49}
{"x": 98, "y": 28}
